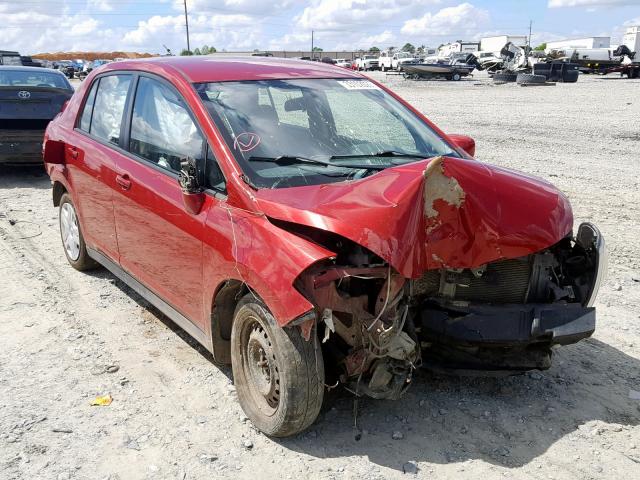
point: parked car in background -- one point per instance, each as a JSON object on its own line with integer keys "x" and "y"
{"x": 10, "y": 58}
{"x": 367, "y": 62}
{"x": 394, "y": 61}
{"x": 308, "y": 226}
{"x": 90, "y": 66}
{"x": 66, "y": 67}
{"x": 344, "y": 63}
{"x": 29, "y": 98}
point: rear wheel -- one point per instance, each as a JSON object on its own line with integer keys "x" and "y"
{"x": 75, "y": 248}
{"x": 455, "y": 77}
{"x": 279, "y": 376}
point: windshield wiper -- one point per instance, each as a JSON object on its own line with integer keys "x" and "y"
{"x": 384, "y": 153}
{"x": 294, "y": 159}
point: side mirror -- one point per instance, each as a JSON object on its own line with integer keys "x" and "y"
{"x": 466, "y": 143}
{"x": 192, "y": 193}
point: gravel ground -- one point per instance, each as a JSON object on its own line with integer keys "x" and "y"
{"x": 67, "y": 337}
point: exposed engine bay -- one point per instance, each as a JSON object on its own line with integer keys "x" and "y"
{"x": 499, "y": 318}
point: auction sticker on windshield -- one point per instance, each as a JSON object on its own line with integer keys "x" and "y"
{"x": 358, "y": 85}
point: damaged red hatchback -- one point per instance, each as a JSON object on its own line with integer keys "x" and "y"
{"x": 308, "y": 226}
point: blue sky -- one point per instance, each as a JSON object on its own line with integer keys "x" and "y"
{"x": 33, "y": 26}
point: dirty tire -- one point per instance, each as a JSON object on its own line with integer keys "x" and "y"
{"x": 504, "y": 77}
{"x": 279, "y": 376}
{"x": 77, "y": 255}
{"x": 530, "y": 79}
{"x": 456, "y": 77}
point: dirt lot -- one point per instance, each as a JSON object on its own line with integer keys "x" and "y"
{"x": 66, "y": 337}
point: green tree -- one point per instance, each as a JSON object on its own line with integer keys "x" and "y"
{"x": 541, "y": 47}
{"x": 197, "y": 51}
{"x": 186, "y": 53}
{"x": 205, "y": 50}
{"x": 317, "y": 49}
{"x": 408, "y": 48}
{"x": 374, "y": 50}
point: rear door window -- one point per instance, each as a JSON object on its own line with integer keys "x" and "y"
{"x": 87, "y": 111}
{"x": 108, "y": 109}
{"x": 162, "y": 130}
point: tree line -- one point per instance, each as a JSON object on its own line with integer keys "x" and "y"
{"x": 205, "y": 50}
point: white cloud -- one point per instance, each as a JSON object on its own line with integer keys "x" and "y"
{"x": 590, "y": 3}
{"x": 238, "y": 30}
{"x": 351, "y": 14}
{"x": 461, "y": 19}
{"x": 251, "y": 7}
{"x": 102, "y": 5}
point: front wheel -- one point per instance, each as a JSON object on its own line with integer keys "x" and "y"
{"x": 72, "y": 240}
{"x": 279, "y": 376}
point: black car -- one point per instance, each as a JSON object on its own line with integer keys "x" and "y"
{"x": 29, "y": 99}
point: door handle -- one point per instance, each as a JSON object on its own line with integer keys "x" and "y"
{"x": 73, "y": 152}
{"x": 124, "y": 181}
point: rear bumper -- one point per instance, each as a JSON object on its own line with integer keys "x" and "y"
{"x": 21, "y": 146}
{"x": 509, "y": 325}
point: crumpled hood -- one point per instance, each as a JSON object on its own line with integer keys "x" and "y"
{"x": 439, "y": 213}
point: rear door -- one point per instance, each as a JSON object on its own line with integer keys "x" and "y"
{"x": 91, "y": 155}
{"x": 160, "y": 243}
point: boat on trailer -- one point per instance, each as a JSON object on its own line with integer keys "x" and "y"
{"x": 452, "y": 70}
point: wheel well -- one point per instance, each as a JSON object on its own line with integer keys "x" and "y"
{"x": 58, "y": 191}
{"x": 224, "y": 305}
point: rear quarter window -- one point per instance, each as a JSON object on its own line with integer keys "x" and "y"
{"x": 87, "y": 111}
{"x": 108, "y": 107}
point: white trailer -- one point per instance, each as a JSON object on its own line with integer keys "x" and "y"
{"x": 586, "y": 43}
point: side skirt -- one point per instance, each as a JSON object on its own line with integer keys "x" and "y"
{"x": 175, "y": 316}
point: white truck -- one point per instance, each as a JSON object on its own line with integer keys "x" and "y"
{"x": 367, "y": 62}
{"x": 394, "y": 61}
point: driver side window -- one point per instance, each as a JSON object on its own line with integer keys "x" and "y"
{"x": 162, "y": 130}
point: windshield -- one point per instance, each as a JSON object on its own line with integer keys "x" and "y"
{"x": 20, "y": 78}
{"x": 287, "y": 133}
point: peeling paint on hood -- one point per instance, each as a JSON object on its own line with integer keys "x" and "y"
{"x": 445, "y": 212}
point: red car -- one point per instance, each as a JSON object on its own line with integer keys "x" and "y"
{"x": 307, "y": 225}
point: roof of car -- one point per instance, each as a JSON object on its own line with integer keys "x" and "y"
{"x": 218, "y": 69}
{"x": 22, "y": 68}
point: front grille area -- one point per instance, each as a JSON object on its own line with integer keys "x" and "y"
{"x": 505, "y": 281}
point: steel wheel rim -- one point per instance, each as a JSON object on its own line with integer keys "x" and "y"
{"x": 261, "y": 367}
{"x": 70, "y": 231}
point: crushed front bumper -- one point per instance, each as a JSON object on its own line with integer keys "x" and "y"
{"x": 509, "y": 325}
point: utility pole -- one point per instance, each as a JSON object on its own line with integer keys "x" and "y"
{"x": 530, "y": 25}
{"x": 312, "y": 45}
{"x": 186, "y": 23}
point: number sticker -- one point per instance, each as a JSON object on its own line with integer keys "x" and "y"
{"x": 358, "y": 85}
